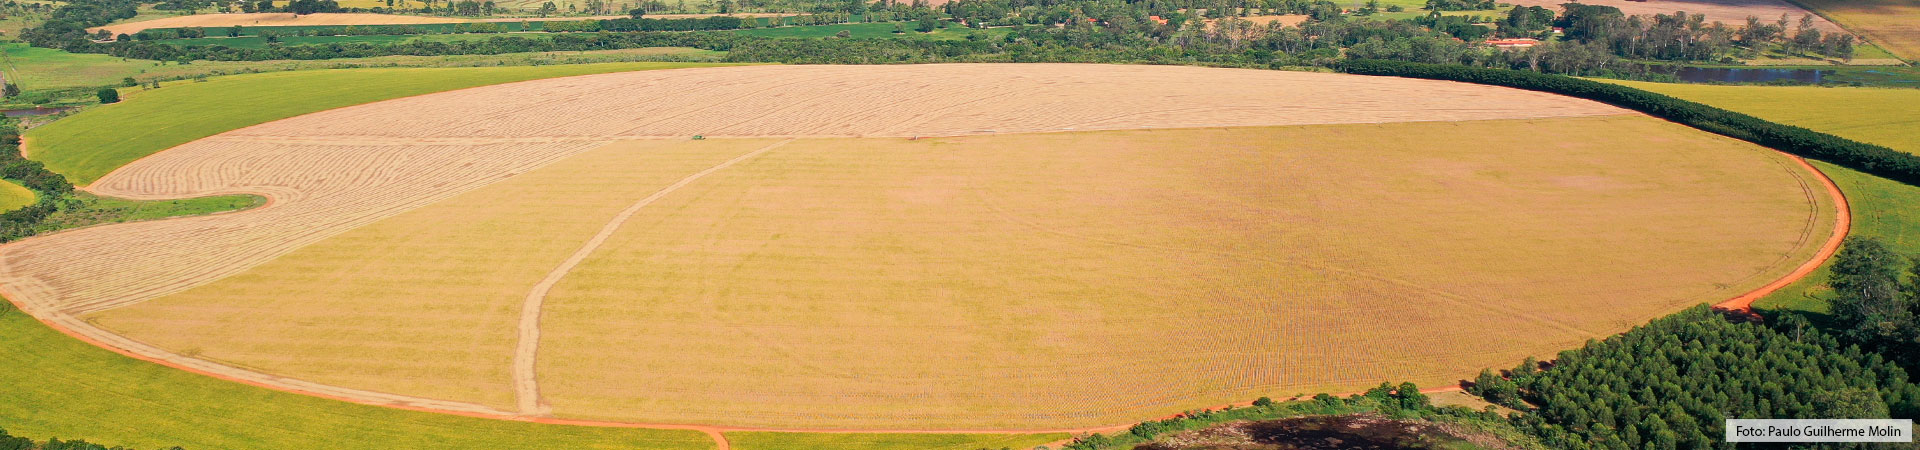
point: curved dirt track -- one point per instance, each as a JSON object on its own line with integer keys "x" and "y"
{"x": 332, "y": 171}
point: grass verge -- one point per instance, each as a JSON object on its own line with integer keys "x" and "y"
{"x": 56, "y": 386}
{"x": 153, "y": 120}
{"x": 13, "y": 196}
{"x": 87, "y": 209}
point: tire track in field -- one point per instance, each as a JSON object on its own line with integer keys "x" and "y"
{"x": 526, "y": 386}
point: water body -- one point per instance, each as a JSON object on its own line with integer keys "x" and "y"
{"x": 41, "y": 111}
{"x": 1740, "y": 75}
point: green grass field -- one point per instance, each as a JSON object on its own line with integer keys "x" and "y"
{"x": 42, "y": 73}
{"x": 13, "y": 196}
{"x": 55, "y": 386}
{"x": 155, "y": 120}
{"x": 1881, "y": 208}
{"x": 34, "y": 68}
{"x": 1877, "y": 115}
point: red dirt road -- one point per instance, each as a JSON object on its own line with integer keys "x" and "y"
{"x": 1842, "y": 222}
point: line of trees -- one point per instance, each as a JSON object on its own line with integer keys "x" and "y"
{"x": 1688, "y": 37}
{"x": 1669, "y": 384}
{"x": 1876, "y": 298}
{"x": 51, "y": 189}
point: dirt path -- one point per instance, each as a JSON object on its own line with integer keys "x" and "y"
{"x": 526, "y": 385}
{"x": 1842, "y": 222}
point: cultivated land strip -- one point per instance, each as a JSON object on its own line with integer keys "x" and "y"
{"x": 917, "y": 102}
{"x": 526, "y": 386}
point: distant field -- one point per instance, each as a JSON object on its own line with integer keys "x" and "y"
{"x": 1731, "y": 12}
{"x": 13, "y": 196}
{"x": 336, "y": 19}
{"x": 1881, "y": 208}
{"x": 38, "y": 69}
{"x": 183, "y": 112}
{"x": 34, "y": 68}
{"x": 1892, "y": 24}
{"x": 261, "y": 42}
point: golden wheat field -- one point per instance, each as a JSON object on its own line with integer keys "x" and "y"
{"x": 939, "y": 247}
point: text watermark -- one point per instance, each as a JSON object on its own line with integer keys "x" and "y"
{"x": 1819, "y": 430}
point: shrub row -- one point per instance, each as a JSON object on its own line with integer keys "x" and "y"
{"x": 1869, "y": 158}
{"x": 50, "y": 187}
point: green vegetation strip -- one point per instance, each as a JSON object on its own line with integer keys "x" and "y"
{"x": 55, "y": 386}
{"x": 13, "y": 196}
{"x": 82, "y": 149}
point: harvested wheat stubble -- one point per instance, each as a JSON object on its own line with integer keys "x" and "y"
{"x": 318, "y": 315}
{"x": 332, "y": 170}
{"x": 1059, "y": 280}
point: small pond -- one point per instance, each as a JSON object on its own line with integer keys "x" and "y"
{"x": 40, "y": 111}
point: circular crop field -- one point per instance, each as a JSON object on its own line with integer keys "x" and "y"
{"x": 932, "y": 247}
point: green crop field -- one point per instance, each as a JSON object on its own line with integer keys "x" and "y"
{"x": 173, "y": 115}
{"x": 38, "y": 70}
{"x": 1881, "y": 208}
{"x": 13, "y": 196}
{"x": 1892, "y": 24}
{"x": 34, "y": 68}
{"x": 56, "y": 386}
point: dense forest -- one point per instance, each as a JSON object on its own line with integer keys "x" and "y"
{"x": 1670, "y": 383}
{"x": 1876, "y": 299}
